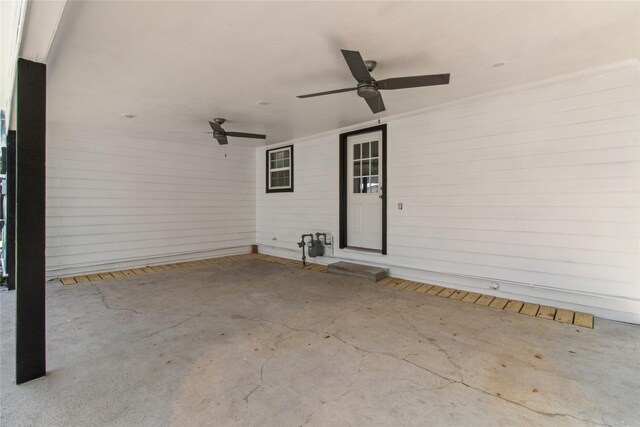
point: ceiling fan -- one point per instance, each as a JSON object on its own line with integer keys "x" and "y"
{"x": 221, "y": 135}
{"x": 369, "y": 88}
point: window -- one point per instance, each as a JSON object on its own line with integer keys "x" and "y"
{"x": 280, "y": 169}
{"x": 365, "y": 167}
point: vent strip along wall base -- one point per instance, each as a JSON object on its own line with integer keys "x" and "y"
{"x": 584, "y": 320}
{"x": 95, "y": 277}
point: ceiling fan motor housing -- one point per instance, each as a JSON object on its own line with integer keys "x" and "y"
{"x": 367, "y": 90}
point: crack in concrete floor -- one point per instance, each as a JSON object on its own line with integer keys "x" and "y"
{"x": 462, "y": 382}
{"x": 302, "y": 314}
{"x": 405, "y": 359}
{"x": 451, "y": 381}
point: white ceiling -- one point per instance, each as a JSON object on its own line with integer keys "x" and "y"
{"x": 176, "y": 65}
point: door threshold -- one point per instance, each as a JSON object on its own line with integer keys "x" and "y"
{"x": 367, "y": 250}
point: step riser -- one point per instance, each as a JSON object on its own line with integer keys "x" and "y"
{"x": 366, "y": 272}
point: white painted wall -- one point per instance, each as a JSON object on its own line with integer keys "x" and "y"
{"x": 116, "y": 200}
{"x": 536, "y": 189}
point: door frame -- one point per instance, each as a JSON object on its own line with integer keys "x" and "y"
{"x": 343, "y": 183}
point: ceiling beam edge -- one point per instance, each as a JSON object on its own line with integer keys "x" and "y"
{"x": 13, "y": 27}
{"x": 40, "y": 27}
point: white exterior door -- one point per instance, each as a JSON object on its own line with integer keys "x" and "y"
{"x": 364, "y": 192}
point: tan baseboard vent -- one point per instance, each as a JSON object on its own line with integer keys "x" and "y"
{"x": 71, "y": 280}
{"x": 576, "y": 318}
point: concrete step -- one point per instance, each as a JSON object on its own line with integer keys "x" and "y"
{"x": 357, "y": 270}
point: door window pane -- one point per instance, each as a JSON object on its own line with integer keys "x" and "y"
{"x": 374, "y": 186}
{"x": 365, "y": 167}
{"x": 374, "y": 148}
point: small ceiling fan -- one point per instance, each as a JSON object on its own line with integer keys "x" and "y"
{"x": 221, "y": 135}
{"x": 369, "y": 88}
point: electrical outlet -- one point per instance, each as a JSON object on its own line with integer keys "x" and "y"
{"x": 399, "y": 206}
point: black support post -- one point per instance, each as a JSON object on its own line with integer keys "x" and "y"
{"x": 30, "y": 221}
{"x": 10, "y": 215}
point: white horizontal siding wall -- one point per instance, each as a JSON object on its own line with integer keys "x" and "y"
{"x": 282, "y": 217}
{"x": 535, "y": 190}
{"x": 116, "y": 201}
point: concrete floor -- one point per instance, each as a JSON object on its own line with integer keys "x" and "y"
{"x": 253, "y": 343}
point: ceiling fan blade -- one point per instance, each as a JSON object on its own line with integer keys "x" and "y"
{"x": 216, "y": 127}
{"x": 190, "y": 132}
{"x": 222, "y": 139}
{"x": 329, "y": 92}
{"x": 246, "y": 135}
{"x": 376, "y": 103}
{"x": 413, "y": 81}
{"x": 357, "y": 66}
